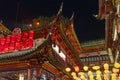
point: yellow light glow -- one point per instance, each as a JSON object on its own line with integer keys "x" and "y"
{"x": 96, "y": 67}
{"x": 67, "y": 69}
{"x": 117, "y": 65}
{"x": 73, "y": 73}
{"x": 106, "y": 66}
{"x": 115, "y": 70}
{"x": 85, "y": 68}
{"x": 81, "y": 73}
{"x": 90, "y": 73}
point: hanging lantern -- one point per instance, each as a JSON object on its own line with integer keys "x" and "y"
{"x": 6, "y": 47}
{"x": 24, "y": 36}
{"x": 106, "y": 66}
{"x": 67, "y": 69}
{"x": 23, "y": 44}
{"x": 96, "y": 67}
{"x": 8, "y": 39}
{"x": 81, "y": 73}
{"x": 19, "y": 36}
{"x": 12, "y": 46}
{"x": 73, "y": 73}
{"x": 30, "y": 43}
{"x": 85, "y": 68}
{"x": 13, "y": 38}
{"x": 31, "y": 34}
{"x": 76, "y": 68}
{"x": 2, "y": 40}
{"x": 117, "y": 65}
{"x": 17, "y": 45}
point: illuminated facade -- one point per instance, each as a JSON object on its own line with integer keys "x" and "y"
{"x": 42, "y": 52}
{"x": 51, "y": 51}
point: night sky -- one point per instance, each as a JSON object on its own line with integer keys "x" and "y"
{"x": 87, "y": 27}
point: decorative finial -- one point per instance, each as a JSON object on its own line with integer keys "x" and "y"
{"x": 60, "y": 10}
{"x": 72, "y": 16}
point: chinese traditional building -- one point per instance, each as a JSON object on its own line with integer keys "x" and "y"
{"x": 51, "y": 51}
{"x": 40, "y": 53}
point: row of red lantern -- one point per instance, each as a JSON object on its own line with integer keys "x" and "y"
{"x": 16, "y": 42}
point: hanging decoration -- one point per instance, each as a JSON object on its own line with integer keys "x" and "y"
{"x": 104, "y": 72}
{"x": 20, "y": 41}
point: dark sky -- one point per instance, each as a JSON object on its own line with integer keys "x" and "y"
{"x": 87, "y": 26}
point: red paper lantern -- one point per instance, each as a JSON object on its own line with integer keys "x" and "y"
{"x": 23, "y": 44}
{"x": 2, "y": 41}
{"x": 6, "y": 47}
{"x": 13, "y": 38}
{"x": 8, "y": 39}
{"x": 12, "y": 46}
{"x": 19, "y": 37}
{"x": 17, "y": 45}
{"x": 1, "y": 48}
{"x": 30, "y": 43}
{"x": 31, "y": 34}
{"x": 24, "y": 36}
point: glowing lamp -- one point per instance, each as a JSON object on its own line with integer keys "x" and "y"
{"x": 106, "y": 66}
{"x": 90, "y": 73}
{"x": 81, "y": 73}
{"x": 24, "y": 36}
{"x": 85, "y": 68}
{"x": 96, "y": 67}
{"x": 76, "y": 68}
{"x": 38, "y": 23}
{"x": 31, "y": 34}
{"x": 117, "y": 65}
{"x": 7, "y": 39}
{"x": 67, "y": 69}
{"x": 19, "y": 37}
{"x": 13, "y": 38}
{"x": 73, "y": 73}
{"x": 115, "y": 70}
{"x": 106, "y": 71}
{"x": 3, "y": 40}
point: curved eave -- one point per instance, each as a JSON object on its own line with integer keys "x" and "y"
{"x": 76, "y": 43}
{"x": 66, "y": 40}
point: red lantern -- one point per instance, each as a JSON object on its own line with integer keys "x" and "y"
{"x": 31, "y": 34}
{"x": 12, "y": 47}
{"x": 8, "y": 39}
{"x": 1, "y": 48}
{"x": 6, "y": 47}
{"x": 13, "y": 38}
{"x": 3, "y": 40}
{"x": 19, "y": 37}
{"x": 24, "y": 36}
{"x": 23, "y": 44}
{"x": 30, "y": 43}
{"x": 17, "y": 45}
